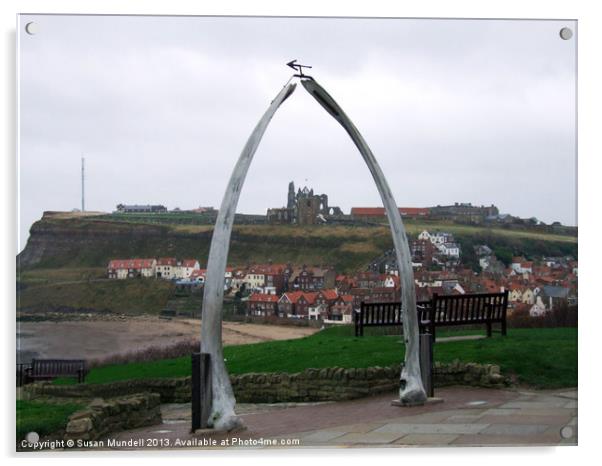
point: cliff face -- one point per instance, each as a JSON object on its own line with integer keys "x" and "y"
{"x": 60, "y": 243}
{"x": 81, "y": 242}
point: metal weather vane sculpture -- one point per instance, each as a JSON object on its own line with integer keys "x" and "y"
{"x": 298, "y": 68}
{"x": 222, "y": 415}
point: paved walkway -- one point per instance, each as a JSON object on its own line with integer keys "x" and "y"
{"x": 466, "y": 417}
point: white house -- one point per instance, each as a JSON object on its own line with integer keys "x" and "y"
{"x": 528, "y": 296}
{"x": 238, "y": 279}
{"x": 391, "y": 281}
{"x": 317, "y": 311}
{"x": 167, "y": 268}
{"x": 459, "y": 289}
{"x": 441, "y": 237}
{"x": 131, "y": 268}
{"x": 521, "y": 266}
{"x": 515, "y": 295}
{"x": 186, "y": 267}
{"x": 228, "y": 277}
{"x": 484, "y": 262}
{"x": 433, "y": 283}
{"x": 425, "y": 235}
{"x": 538, "y": 309}
{"x": 255, "y": 280}
{"x": 198, "y": 276}
{"x": 450, "y": 250}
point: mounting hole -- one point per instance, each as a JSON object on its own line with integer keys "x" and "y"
{"x": 31, "y": 28}
{"x": 566, "y": 33}
{"x": 566, "y": 432}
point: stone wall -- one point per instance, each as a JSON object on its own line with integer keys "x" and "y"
{"x": 337, "y": 383}
{"x": 170, "y": 390}
{"x": 330, "y": 384}
{"x": 102, "y": 417}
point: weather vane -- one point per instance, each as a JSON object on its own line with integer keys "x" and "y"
{"x": 298, "y": 67}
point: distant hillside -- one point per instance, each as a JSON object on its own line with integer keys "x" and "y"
{"x": 58, "y": 241}
{"x": 104, "y": 296}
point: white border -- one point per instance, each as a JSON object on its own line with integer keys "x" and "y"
{"x": 589, "y": 127}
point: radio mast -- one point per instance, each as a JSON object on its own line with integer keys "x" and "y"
{"x": 83, "y": 186}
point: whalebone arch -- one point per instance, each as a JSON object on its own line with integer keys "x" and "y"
{"x": 222, "y": 415}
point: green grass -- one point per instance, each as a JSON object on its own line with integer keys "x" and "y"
{"x": 543, "y": 358}
{"x": 61, "y": 275}
{"x": 134, "y": 296}
{"x": 93, "y": 241}
{"x": 43, "y": 418}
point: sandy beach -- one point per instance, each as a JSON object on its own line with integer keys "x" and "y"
{"x": 100, "y": 338}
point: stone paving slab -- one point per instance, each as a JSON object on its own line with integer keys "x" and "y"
{"x": 436, "y": 417}
{"x": 463, "y": 418}
{"x": 569, "y": 394}
{"x": 547, "y": 412}
{"x": 484, "y": 440}
{"x": 432, "y": 428}
{"x": 518, "y": 419}
{"x": 369, "y": 437}
{"x": 361, "y": 427}
{"x": 322, "y": 436}
{"x": 426, "y": 439}
{"x": 502, "y": 411}
{"x": 505, "y": 418}
{"x": 515, "y": 429}
{"x": 558, "y": 403}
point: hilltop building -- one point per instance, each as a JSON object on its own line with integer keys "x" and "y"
{"x": 378, "y": 213}
{"x": 127, "y": 209}
{"x": 459, "y": 212}
{"x": 303, "y": 208}
{"x": 464, "y": 212}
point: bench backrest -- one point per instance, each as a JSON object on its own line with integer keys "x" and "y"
{"x": 483, "y": 307}
{"x": 445, "y": 309}
{"x": 389, "y": 313}
{"x": 57, "y": 367}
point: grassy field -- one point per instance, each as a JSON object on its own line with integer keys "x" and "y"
{"x": 136, "y": 296}
{"x": 43, "y": 418}
{"x": 61, "y": 275}
{"x": 193, "y": 223}
{"x": 543, "y": 358}
{"x": 95, "y": 240}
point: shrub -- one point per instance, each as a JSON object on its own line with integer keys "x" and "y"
{"x": 561, "y": 316}
{"x": 151, "y": 353}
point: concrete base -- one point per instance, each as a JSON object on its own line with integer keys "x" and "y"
{"x": 429, "y": 401}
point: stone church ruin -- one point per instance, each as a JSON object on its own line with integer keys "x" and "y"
{"x": 304, "y": 208}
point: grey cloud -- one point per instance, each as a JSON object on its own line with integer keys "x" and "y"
{"x": 474, "y": 111}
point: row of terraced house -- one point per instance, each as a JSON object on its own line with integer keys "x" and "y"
{"x": 335, "y": 304}
{"x": 168, "y": 268}
{"x": 267, "y": 278}
{"x": 328, "y": 305}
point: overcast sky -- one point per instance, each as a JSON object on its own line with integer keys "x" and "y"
{"x": 454, "y": 111}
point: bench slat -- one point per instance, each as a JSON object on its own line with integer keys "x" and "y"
{"x": 52, "y": 368}
{"x": 446, "y": 310}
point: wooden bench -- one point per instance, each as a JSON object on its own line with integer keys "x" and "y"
{"x": 440, "y": 311}
{"x": 46, "y": 369}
